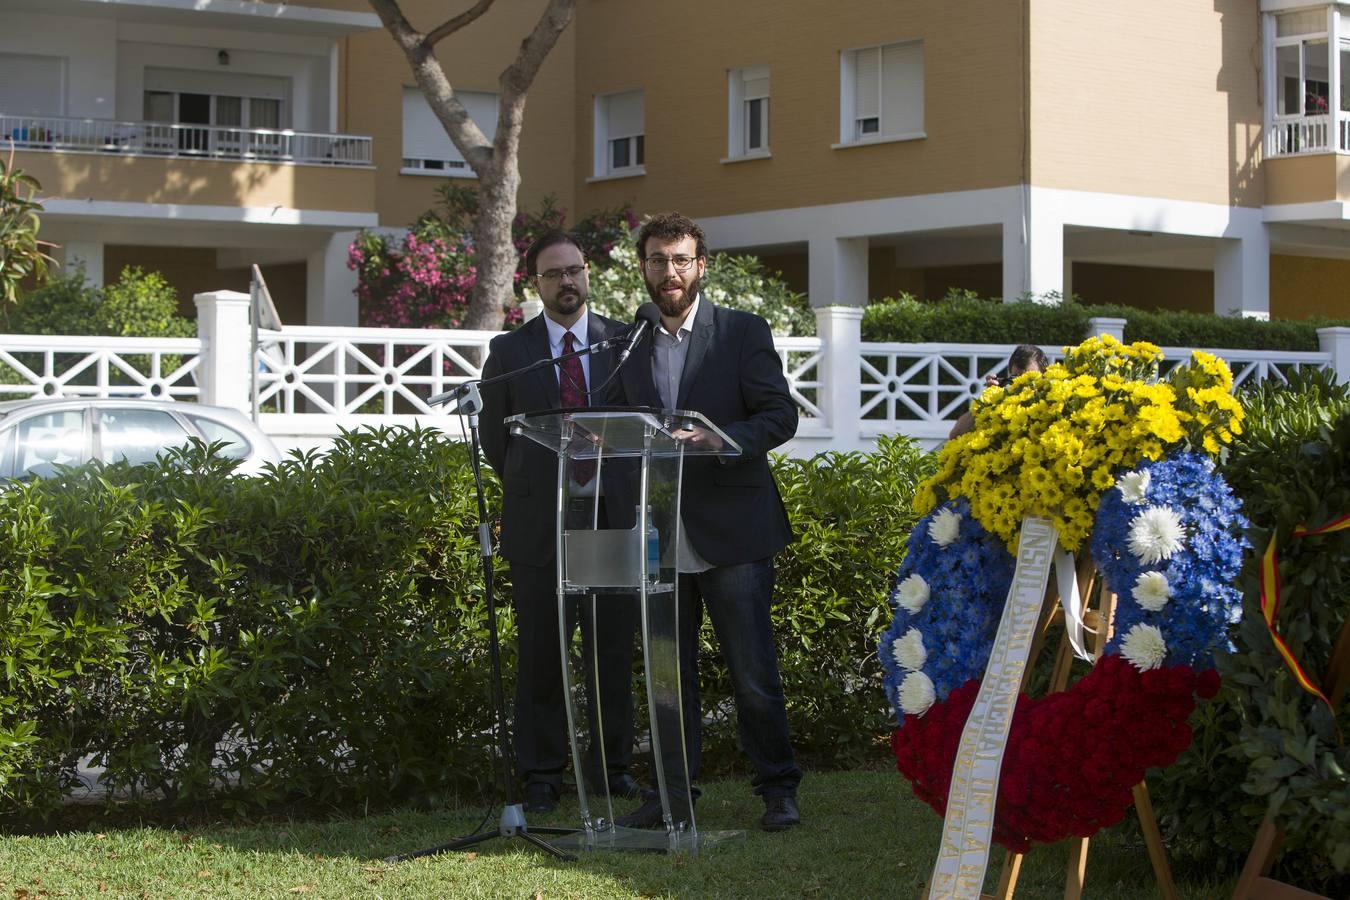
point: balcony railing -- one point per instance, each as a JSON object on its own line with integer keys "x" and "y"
{"x": 1295, "y": 135}
{"x": 178, "y": 140}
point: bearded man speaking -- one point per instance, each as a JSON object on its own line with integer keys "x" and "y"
{"x": 721, "y": 363}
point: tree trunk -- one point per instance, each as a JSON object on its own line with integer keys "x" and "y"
{"x": 495, "y": 256}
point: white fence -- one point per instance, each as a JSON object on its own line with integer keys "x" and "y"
{"x": 179, "y": 140}
{"x": 308, "y": 382}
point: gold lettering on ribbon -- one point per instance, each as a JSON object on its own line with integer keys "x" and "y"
{"x": 968, "y": 829}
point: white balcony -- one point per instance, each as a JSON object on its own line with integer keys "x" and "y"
{"x": 163, "y": 139}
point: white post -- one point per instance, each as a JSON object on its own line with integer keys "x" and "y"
{"x": 837, "y": 271}
{"x": 1242, "y": 276}
{"x": 330, "y": 287}
{"x": 90, "y": 254}
{"x": 1033, "y": 252}
{"x": 1336, "y": 341}
{"x": 222, "y": 324}
{"x": 840, "y": 332}
{"x": 1107, "y": 325}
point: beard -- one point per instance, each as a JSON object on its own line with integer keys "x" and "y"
{"x": 566, "y": 301}
{"x": 675, "y": 306}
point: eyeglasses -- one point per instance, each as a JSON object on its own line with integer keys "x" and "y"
{"x": 659, "y": 263}
{"x": 572, "y": 272}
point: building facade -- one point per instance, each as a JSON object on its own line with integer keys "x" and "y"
{"x": 1188, "y": 156}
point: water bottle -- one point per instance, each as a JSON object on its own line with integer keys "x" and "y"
{"x": 653, "y": 549}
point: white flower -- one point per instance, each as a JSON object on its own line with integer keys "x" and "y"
{"x": 1156, "y": 534}
{"x": 1133, "y": 486}
{"x": 916, "y": 693}
{"x": 1143, "y": 646}
{"x": 909, "y": 650}
{"x": 913, "y": 593}
{"x": 944, "y": 527}
{"x": 1151, "y": 590}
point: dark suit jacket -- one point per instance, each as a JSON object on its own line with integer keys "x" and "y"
{"x": 731, "y": 506}
{"x": 528, "y": 471}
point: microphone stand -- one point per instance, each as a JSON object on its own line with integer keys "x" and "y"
{"x": 512, "y": 821}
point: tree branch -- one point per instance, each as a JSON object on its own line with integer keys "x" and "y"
{"x": 450, "y": 26}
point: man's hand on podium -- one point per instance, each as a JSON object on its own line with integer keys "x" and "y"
{"x": 698, "y": 436}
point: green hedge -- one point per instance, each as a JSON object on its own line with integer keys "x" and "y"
{"x": 1265, "y": 744}
{"x": 325, "y": 624}
{"x": 962, "y": 317}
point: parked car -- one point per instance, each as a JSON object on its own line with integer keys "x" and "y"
{"x": 38, "y": 435}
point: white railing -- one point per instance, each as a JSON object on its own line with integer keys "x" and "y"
{"x": 1293, "y": 135}
{"x": 364, "y": 371}
{"x": 312, "y": 381}
{"x": 178, "y": 140}
{"x": 44, "y": 366}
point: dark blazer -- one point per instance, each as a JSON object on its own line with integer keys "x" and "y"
{"x": 529, "y": 472}
{"x": 732, "y": 510}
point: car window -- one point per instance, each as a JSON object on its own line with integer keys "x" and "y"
{"x": 6, "y": 451}
{"x": 137, "y": 435}
{"x": 236, "y": 445}
{"x": 49, "y": 440}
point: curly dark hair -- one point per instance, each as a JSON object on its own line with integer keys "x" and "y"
{"x": 670, "y": 226}
{"x": 550, "y": 238}
{"x": 1025, "y": 355}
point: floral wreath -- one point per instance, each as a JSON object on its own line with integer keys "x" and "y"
{"x": 1106, "y": 451}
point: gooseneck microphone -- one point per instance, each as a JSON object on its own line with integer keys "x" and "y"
{"x": 648, "y": 314}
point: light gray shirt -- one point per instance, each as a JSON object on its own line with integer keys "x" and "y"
{"x": 668, "y": 357}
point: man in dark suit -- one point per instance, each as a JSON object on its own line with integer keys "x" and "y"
{"x": 528, "y": 471}
{"x": 721, "y": 363}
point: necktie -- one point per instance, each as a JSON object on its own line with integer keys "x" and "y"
{"x": 572, "y": 393}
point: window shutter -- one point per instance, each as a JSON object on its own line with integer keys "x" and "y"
{"x": 866, "y": 83}
{"x": 902, "y": 90}
{"x": 423, "y": 136}
{"x": 756, "y": 80}
{"x": 624, "y": 114}
{"x": 32, "y": 85}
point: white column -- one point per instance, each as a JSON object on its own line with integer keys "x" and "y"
{"x": 1336, "y": 341}
{"x": 222, "y": 324}
{"x": 330, "y": 287}
{"x": 1242, "y": 276}
{"x": 840, "y": 332}
{"x": 1098, "y": 325}
{"x": 90, "y": 255}
{"x": 837, "y": 271}
{"x": 1033, "y": 253}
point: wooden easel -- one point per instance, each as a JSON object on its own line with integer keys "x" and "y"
{"x": 1100, "y": 620}
{"x": 1254, "y": 883}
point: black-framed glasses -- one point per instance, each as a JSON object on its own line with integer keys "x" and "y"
{"x": 659, "y": 263}
{"x": 572, "y": 272}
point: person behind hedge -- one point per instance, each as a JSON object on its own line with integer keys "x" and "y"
{"x": 721, "y": 363}
{"x": 1025, "y": 358}
{"x": 557, "y": 269}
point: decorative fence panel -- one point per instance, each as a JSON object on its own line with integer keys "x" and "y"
{"x": 81, "y": 366}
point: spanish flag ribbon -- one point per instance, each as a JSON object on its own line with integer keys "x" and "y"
{"x": 1270, "y": 600}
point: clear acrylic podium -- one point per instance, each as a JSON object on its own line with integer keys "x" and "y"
{"x": 639, "y": 462}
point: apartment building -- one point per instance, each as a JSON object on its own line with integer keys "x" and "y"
{"x": 1184, "y": 155}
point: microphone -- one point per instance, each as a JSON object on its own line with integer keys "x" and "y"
{"x": 648, "y": 314}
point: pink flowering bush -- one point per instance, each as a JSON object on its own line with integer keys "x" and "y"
{"x": 425, "y": 279}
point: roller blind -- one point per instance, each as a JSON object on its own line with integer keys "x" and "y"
{"x": 902, "y": 88}
{"x": 32, "y": 85}
{"x": 624, "y": 114}
{"x": 423, "y": 136}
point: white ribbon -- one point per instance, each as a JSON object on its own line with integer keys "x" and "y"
{"x": 1066, "y": 573}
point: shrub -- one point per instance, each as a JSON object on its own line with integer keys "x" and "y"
{"x": 1265, "y": 744}
{"x": 317, "y": 637}
{"x": 138, "y": 304}
{"x": 961, "y": 317}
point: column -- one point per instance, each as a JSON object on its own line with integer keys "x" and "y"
{"x": 840, "y": 332}
{"x": 1336, "y": 341}
{"x": 222, "y": 324}
{"x": 1033, "y": 254}
{"x": 330, "y": 287}
{"x": 837, "y": 271}
{"x": 1242, "y": 276}
{"x": 90, "y": 255}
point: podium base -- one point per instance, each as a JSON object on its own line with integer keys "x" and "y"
{"x": 648, "y": 840}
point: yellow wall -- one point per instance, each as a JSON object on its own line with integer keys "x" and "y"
{"x": 141, "y": 179}
{"x": 1303, "y": 286}
{"x": 679, "y": 55}
{"x": 371, "y": 100}
{"x": 1152, "y": 98}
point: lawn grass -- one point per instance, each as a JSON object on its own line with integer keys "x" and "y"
{"x": 864, "y": 835}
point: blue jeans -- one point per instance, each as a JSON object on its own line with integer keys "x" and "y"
{"x": 737, "y": 600}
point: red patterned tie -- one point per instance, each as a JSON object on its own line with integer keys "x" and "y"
{"x": 572, "y": 393}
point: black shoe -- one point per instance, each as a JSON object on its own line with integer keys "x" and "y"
{"x": 780, "y": 814}
{"x": 625, "y": 786}
{"x": 540, "y": 797}
{"x": 649, "y": 814}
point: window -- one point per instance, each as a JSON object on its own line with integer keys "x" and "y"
{"x": 881, "y": 92}
{"x": 619, "y": 138}
{"x": 50, "y": 440}
{"x": 748, "y": 112}
{"x": 219, "y": 102}
{"x": 32, "y": 85}
{"x": 236, "y": 445}
{"x": 137, "y": 435}
{"x": 426, "y": 146}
